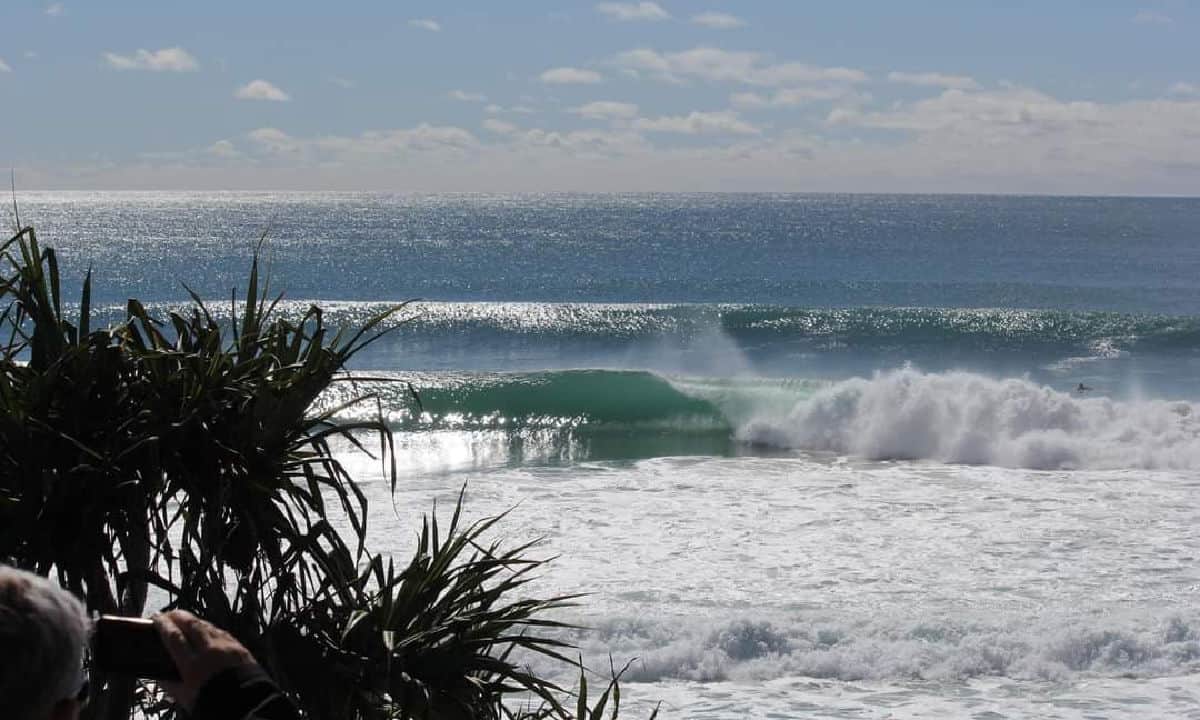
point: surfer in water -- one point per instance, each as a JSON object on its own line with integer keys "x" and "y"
{"x": 1082, "y": 389}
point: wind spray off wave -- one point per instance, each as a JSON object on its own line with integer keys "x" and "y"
{"x": 961, "y": 417}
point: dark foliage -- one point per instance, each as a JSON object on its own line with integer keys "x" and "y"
{"x": 179, "y": 454}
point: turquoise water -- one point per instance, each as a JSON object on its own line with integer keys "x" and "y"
{"x": 813, "y": 455}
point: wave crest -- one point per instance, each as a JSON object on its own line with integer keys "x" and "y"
{"x": 962, "y": 417}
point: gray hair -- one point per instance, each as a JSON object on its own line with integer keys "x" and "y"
{"x": 43, "y": 629}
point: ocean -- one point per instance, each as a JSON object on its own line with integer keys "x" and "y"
{"x": 818, "y": 456}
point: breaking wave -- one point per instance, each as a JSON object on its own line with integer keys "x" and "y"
{"x": 904, "y": 414}
{"x": 961, "y": 417}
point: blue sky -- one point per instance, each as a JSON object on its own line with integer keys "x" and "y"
{"x": 1040, "y": 97}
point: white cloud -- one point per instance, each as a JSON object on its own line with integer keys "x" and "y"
{"x": 792, "y": 97}
{"x": 495, "y": 109}
{"x": 366, "y": 147}
{"x": 1020, "y": 126}
{"x": 1012, "y": 111}
{"x": 1152, "y": 17}
{"x": 934, "y": 79}
{"x": 750, "y": 100}
{"x": 465, "y": 96}
{"x": 1020, "y": 139}
{"x": 583, "y": 143}
{"x": 570, "y": 76}
{"x": 261, "y": 90}
{"x": 1006, "y": 139}
{"x": 426, "y": 24}
{"x": 626, "y": 12}
{"x": 499, "y": 127}
{"x": 725, "y": 122}
{"x": 341, "y": 82}
{"x": 718, "y": 21}
{"x": 56, "y": 10}
{"x": 31, "y": 55}
{"x": 1184, "y": 88}
{"x": 445, "y": 147}
{"x": 715, "y": 65}
{"x": 606, "y": 110}
{"x": 274, "y": 140}
{"x": 422, "y": 138}
{"x": 174, "y": 59}
{"x": 223, "y": 149}
{"x": 4, "y": 67}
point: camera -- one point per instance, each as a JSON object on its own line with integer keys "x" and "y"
{"x": 131, "y": 646}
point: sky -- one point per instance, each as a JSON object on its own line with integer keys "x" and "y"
{"x": 1012, "y": 96}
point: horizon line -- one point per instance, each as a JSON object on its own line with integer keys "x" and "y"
{"x": 864, "y": 193}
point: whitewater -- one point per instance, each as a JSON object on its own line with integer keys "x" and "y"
{"x": 908, "y": 544}
{"x": 808, "y": 456}
{"x": 962, "y": 417}
{"x": 825, "y": 585}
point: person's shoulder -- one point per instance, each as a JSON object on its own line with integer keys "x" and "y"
{"x": 242, "y": 692}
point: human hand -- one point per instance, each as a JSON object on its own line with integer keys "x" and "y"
{"x": 200, "y": 650}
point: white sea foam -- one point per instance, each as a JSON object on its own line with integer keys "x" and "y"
{"x": 1101, "y": 350}
{"x": 899, "y": 650}
{"x": 963, "y": 417}
{"x": 806, "y": 585}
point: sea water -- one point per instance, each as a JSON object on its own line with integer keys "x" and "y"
{"x": 811, "y": 456}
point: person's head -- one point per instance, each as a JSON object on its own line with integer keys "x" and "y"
{"x": 43, "y": 631}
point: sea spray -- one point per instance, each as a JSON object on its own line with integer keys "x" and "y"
{"x": 963, "y": 417}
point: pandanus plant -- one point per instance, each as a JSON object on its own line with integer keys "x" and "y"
{"x": 182, "y": 455}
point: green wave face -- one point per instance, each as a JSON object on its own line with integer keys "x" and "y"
{"x": 581, "y": 399}
{"x": 467, "y": 420}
